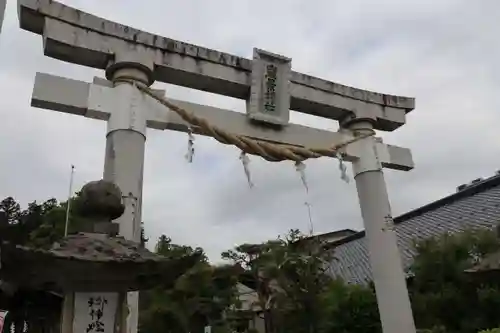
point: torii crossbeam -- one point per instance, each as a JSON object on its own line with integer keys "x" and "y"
{"x": 96, "y": 100}
{"x": 270, "y": 88}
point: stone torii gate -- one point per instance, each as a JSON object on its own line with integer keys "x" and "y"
{"x": 134, "y": 59}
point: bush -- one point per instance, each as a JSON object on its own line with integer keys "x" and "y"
{"x": 436, "y": 329}
{"x": 351, "y": 308}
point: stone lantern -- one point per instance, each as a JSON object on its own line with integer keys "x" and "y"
{"x": 94, "y": 269}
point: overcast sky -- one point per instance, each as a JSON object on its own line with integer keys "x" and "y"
{"x": 444, "y": 53}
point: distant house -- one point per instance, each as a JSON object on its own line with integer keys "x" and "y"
{"x": 473, "y": 205}
{"x": 251, "y": 312}
{"x": 333, "y": 236}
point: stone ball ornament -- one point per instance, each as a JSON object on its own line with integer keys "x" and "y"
{"x": 101, "y": 200}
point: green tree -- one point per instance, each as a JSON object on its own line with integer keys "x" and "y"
{"x": 302, "y": 280}
{"x": 257, "y": 264}
{"x": 200, "y": 297}
{"x": 290, "y": 277}
{"x": 19, "y": 225}
{"x": 442, "y": 295}
{"x": 40, "y": 225}
{"x": 351, "y": 308}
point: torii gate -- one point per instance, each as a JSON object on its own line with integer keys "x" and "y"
{"x": 134, "y": 59}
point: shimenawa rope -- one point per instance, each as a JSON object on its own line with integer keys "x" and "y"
{"x": 272, "y": 152}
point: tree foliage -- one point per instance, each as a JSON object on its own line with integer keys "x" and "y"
{"x": 444, "y": 299}
{"x": 40, "y": 225}
{"x": 290, "y": 276}
{"x": 351, "y": 308}
{"x": 442, "y": 295}
{"x": 199, "y": 297}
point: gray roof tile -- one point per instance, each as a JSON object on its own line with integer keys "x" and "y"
{"x": 475, "y": 207}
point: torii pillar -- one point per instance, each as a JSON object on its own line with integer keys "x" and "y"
{"x": 125, "y": 147}
{"x": 3, "y": 4}
{"x": 388, "y": 275}
{"x": 270, "y": 88}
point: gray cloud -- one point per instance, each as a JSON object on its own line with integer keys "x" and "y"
{"x": 444, "y": 53}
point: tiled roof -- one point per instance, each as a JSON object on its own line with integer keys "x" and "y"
{"x": 477, "y": 206}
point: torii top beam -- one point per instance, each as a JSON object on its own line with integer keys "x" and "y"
{"x": 81, "y": 38}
